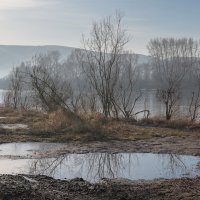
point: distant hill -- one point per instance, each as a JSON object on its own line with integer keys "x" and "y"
{"x": 12, "y": 55}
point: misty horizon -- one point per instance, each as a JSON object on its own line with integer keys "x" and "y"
{"x": 62, "y": 22}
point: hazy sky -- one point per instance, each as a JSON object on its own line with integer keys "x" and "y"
{"x": 62, "y": 22}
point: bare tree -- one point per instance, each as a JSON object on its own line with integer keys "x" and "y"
{"x": 73, "y": 72}
{"x": 50, "y": 88}
{"x": 15, "y": 97}
{"x": 173, "y": 58}
{"x": 194, "y": 105}
{"x": 126, "y": 95}
{"x": 102, "y": 54}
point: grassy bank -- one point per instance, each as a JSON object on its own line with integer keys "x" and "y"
{"x": 58, "y": 127}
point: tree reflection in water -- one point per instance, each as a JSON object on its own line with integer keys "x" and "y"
{"x": 172, "y": 163}
{"x": 46, "y": 166}
{"x": 106, "y": 165}
{"x": 94, "y": 166}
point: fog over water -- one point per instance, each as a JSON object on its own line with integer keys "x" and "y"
{"x": 148, "y": 101}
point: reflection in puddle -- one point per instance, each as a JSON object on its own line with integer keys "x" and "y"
{"x": 134, "y": 166}
{"x": 27, "y": 148}
{"x": 94, "y": 166}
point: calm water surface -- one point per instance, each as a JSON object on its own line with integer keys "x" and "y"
{"x": 94, "y": 166}
{"x": 149, "y": 102}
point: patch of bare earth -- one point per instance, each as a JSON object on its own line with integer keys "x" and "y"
{"x": 169, "y": 145}
{"x": 42, "y": 187}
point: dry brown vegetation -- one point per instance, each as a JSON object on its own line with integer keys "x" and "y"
{"x": 58, "y": 126}
{"x": 93, "y": 132}
{"x": 175, "y": 123}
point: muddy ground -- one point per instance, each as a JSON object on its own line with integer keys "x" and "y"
{"x": 118, "y": 137}
{"x": 25, "y": 187}
{"x": 183, "y": 145}
{"x": 42, "y": 187}
{"x": 167, "y": 145}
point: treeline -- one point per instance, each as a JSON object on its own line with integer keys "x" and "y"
{"x": 104, "y": 77}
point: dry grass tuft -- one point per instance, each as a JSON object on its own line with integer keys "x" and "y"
{"x": 56, "y": 120}
{"x": 175, "y": 123}
{"x": 28, "y": 117}
{"x": 62, "y": 120}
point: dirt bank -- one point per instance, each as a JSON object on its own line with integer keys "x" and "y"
{"x": 42, "y": 187}
{"x": 169, "y": 145}
{"x": 136, "y": 141}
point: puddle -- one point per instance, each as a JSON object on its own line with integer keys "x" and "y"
{"x": 14, "y": 126}
{"x": 27, "y": 149}
{"x": 95, "y": 166}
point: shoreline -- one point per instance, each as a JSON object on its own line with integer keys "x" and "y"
{"x": 166, "y": 145}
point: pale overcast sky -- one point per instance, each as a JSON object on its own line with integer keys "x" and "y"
{"x": 62, "y": 22}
